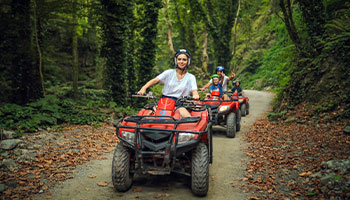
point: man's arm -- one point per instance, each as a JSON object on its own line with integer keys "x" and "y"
{"x": 232, "y": 76}
{"x": 222, "y": 79}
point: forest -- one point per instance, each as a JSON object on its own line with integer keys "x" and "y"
{"x": 63, "y": 59}
{"x": 75, "y": 64}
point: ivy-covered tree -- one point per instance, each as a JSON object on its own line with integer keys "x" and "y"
{"x": 19, "y": 74}
{"x": 313, "y": 12}
{"x": 117, "y": 17}
{"x": 219, "y": 19}
{"x": 148, "y": 32}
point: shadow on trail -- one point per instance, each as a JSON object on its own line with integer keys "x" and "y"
{"x": 163, "y": 182}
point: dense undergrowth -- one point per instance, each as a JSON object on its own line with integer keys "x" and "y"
{"x": 265, "y": 61}
{"x": 318, "y": 77}
{"x": 58, "y": 108}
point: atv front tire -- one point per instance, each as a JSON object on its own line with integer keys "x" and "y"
{"x": 244, "y": 110}
{"x": 200, "y": 170}
{"x": 121, "y": 176}
{"x": 231, "y": 125}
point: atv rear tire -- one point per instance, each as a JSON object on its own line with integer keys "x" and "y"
{"x": 200, "y": 170}
{"x": 247, "y": 110}
{"x": 121, "y": 176}
{"x": 238, "y": 120}
{"x": 244, "y": 110}
{"x": 231, "y": 125}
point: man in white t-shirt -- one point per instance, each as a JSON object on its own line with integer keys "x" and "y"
{"x": 177, "y": 82}
{"x": 223, "y": 80}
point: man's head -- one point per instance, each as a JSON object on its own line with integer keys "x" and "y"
{"x": 220, "y": 70}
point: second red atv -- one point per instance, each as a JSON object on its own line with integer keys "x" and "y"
{"x": 243, "y": 102}
{"x": 158, "y": 142}
{"x": 224, "y": 112}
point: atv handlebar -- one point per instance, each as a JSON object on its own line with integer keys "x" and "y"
{"x": 148, "y": 96}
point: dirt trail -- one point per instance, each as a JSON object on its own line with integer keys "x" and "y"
{"x": 225, "y": 172}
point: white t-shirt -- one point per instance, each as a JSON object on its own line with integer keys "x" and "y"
{"x": 224, "y": 83}
{"x": 177, "y": 88}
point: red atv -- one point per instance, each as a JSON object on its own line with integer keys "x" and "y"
{"x": 224, "y": 112}
{"x": 158, "y": 142}
{"x": 243, "y": 102}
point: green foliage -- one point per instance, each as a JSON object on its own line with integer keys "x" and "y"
{"x": 269, "y": 66}
{"x": 320, "y": 77}
{"x": 47, "y": 112}
{"x": 276, "y": 116}
{"x": 157, "y": 90}
{"x": 121, "y": 111}
{"x": 219, "y": 20}
{"x": 19, "y": 74}
{"x": 117, "y": 20}
{"x": 148, "y": 32}
{"x": 52, "y": 111}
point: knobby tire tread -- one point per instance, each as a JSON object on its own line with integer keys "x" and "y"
{"x": 231, "y": 125}
{"x": 200, "y": 170}
{"x": 120, "y": 169}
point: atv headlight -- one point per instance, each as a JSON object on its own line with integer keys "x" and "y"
{"x": 224, "y": 108}
{"x": 185, "y": 137}
{"x": 129, "y": 136}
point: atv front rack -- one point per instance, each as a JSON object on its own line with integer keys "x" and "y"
{"x": 161, "y": 120}
{"x": 166, "y": 149}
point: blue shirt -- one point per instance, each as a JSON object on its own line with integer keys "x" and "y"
{"x": 218, "y": 87}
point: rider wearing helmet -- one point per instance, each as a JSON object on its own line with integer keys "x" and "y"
{"x": 223, "y": 78}
{"x": 236, "y": 87}
{"x": 177, "y": 82}
{"x": 185, "y": 52}
{"x": 216, "y": 86}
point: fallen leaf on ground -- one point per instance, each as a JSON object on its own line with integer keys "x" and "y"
{"x": 137, "y": 189}
{"x": 102, "y": 184}
{"x": 305, "y": 174}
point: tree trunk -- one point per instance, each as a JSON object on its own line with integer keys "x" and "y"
{"x": 205, "y": 58}
{"x": 170, "y": 30}
{"x": 288, "y": 21}
{"x": 182, "y": 26}
{"x": 38, "y": 47}
{"x": 235, "y": 29}
{"x": 75, "y": 50}
{"x": 314, "y": 17}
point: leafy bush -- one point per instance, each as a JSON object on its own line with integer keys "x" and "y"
{"x": 275, "y": 116}
{"x": 121, "y": 111}
{"x": 52, "y": 111}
